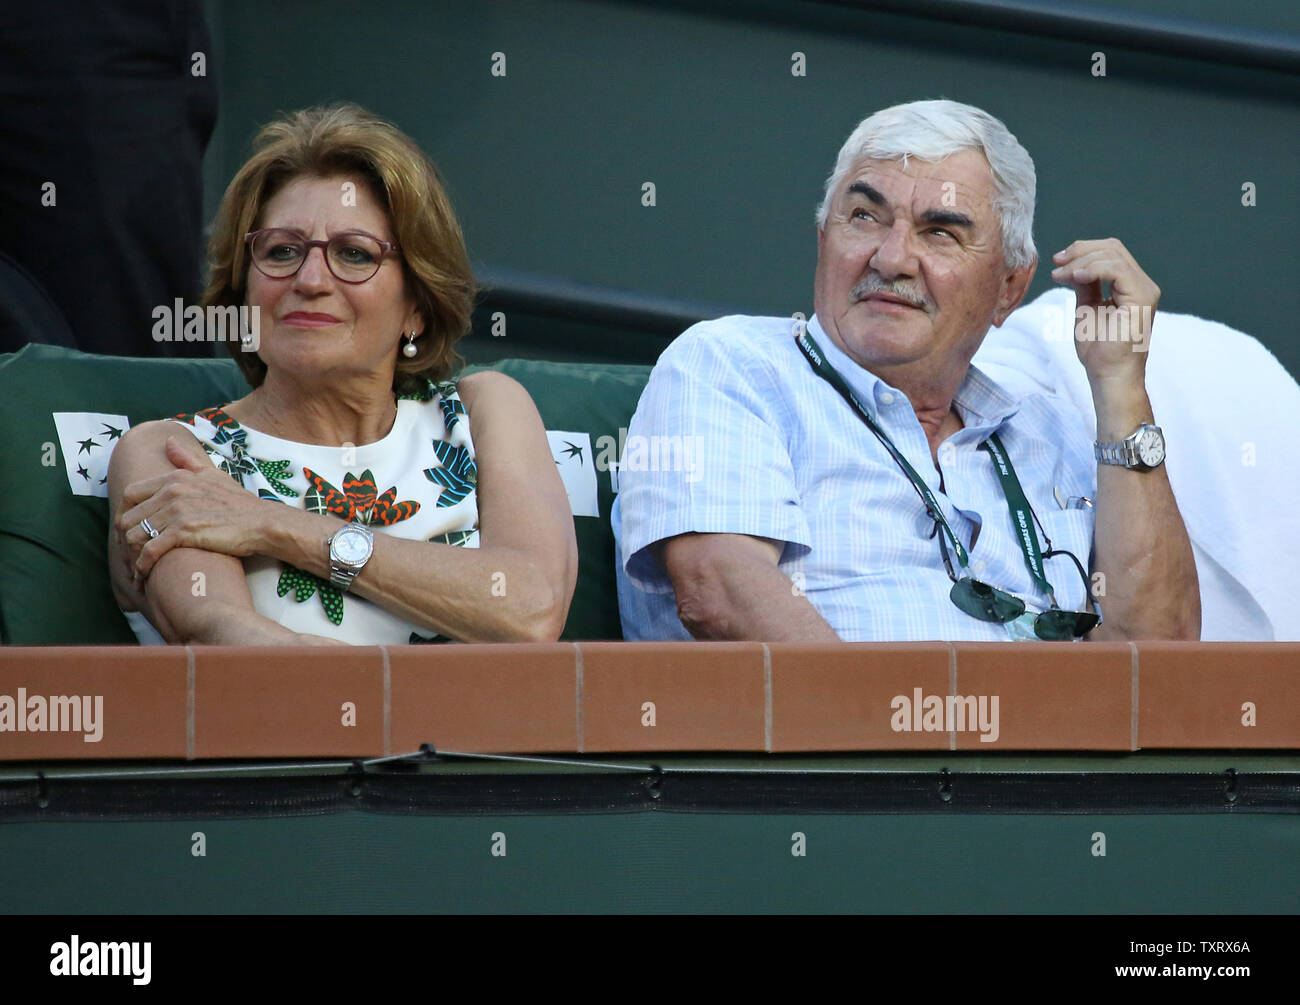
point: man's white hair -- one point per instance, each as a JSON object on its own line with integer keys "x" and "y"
{"x": 933, "y": 130}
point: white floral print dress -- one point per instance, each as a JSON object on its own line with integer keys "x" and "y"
{"x": 418, "y": 483}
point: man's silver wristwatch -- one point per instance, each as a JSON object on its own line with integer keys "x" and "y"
{"x": 350, "y": 550}
{"x": 1142, "y": 450}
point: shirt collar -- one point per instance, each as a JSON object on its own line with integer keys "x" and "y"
{"x": 980, "y": 400}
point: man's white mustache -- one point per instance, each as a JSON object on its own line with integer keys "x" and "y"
{"x": 872, "y": 286}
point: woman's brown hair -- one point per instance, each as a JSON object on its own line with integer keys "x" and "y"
{"x": 327, "y": 140}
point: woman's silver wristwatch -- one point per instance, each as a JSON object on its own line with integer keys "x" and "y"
{"x": 350, "y": 550}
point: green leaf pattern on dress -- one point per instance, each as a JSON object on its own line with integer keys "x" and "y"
{"x": 457, "y": 475}
{"x": 304, "y": 585}
{"x": 424, "y": 394}
{"x": 238, "y": 462}
{"x": 455, "y": 538}
{"x": 275, "y": 472}
{"x": 452, "y": 407}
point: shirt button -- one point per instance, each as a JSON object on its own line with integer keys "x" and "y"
{"x": 886, "y": 397}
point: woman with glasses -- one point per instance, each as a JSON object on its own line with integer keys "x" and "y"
{"x": 357, "y": 494}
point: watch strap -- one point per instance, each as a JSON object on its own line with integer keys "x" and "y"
{"x": 342, "y": 573}
{"x": 1119, "y": 453}
{"x": 1124, "y": 453}
{"x": 341, "y": 576}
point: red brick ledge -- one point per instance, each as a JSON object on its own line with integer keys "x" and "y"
{"x": 199, "y": 702}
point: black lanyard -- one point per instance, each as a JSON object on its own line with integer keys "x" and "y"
{"x": 1021, "y": 515}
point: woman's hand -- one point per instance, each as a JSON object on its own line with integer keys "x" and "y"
{"x": 195, "y": 506}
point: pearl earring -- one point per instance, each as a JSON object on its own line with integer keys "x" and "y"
{"x": 410, "y": 349}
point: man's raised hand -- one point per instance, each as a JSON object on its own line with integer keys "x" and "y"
{"x": 1112, "y": 334}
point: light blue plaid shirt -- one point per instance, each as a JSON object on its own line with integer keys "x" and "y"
{"x": 735, "y": 433}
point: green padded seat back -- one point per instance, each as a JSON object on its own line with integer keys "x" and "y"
{"x": 597, "y": 399}
{"x": 53, "y": 577}
{"x": 53, "y": 568}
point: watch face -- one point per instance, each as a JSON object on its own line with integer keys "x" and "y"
{"x": 351, "y": 546}
{"x": 1151, "y": 448}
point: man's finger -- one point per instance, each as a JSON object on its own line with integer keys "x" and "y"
{"x": 1128, "y": 284}
{"x": 1087, "y": 294}
{"x": 1101, "y": 260}
{"x": 1077, "y": 249}
{"x": 1135, "y": 286}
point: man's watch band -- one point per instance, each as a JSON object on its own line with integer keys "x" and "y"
{"x": 1141, "y": 450}
{"x": 1120, "y": 453}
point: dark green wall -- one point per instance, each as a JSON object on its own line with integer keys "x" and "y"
{"x": 660, "y": 862}
{"x": 546, "y": 164}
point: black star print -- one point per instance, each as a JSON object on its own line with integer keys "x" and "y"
{"x": 86, "y": 445}
{"x": 113, "y": 432}
{"x": 83, "y": 472}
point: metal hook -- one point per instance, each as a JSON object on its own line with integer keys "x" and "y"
{"x": 655, "y": 783}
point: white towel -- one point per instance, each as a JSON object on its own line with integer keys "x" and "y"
{"x": 1230, "y": 413}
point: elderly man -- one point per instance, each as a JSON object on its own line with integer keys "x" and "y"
{"x": 857, "y": 478}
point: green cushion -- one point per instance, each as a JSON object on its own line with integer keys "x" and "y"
{"x": 599, "y": 399}
{"x": 53, "y": 569}
{"x": 54, "y": 586}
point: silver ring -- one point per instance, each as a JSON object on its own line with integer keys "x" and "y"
{"x": 147, "y": 527}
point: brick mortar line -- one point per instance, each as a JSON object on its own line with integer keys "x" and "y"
{"x": 952, "y": 690}
{"x": 1133, "y": 697}
{"x": 189, "y": 703}
{"x": 388, "y": 703}
{"x": 577, "y": 665}
{"x": 767, "y": 698}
